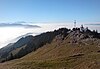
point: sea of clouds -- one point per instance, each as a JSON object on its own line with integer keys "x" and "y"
{"x": 11, "y": 32}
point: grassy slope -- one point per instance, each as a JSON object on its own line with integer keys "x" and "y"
{"x": 60, "y": 55}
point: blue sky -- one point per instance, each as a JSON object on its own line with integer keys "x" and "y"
{"x": 49, "y": 10}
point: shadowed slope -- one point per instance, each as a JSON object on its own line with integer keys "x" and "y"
{"x": 28, "y": 44}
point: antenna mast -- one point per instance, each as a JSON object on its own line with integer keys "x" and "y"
{"x": 74, "y": 23}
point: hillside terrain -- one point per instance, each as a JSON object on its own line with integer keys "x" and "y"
{"x": 59, "y": 49}
{"x": 28, "y": 44}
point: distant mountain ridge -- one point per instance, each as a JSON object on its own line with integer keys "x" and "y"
{"x": 18, "y": 25}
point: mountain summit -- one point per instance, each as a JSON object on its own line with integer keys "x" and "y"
{"x": 78, "y": 48}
